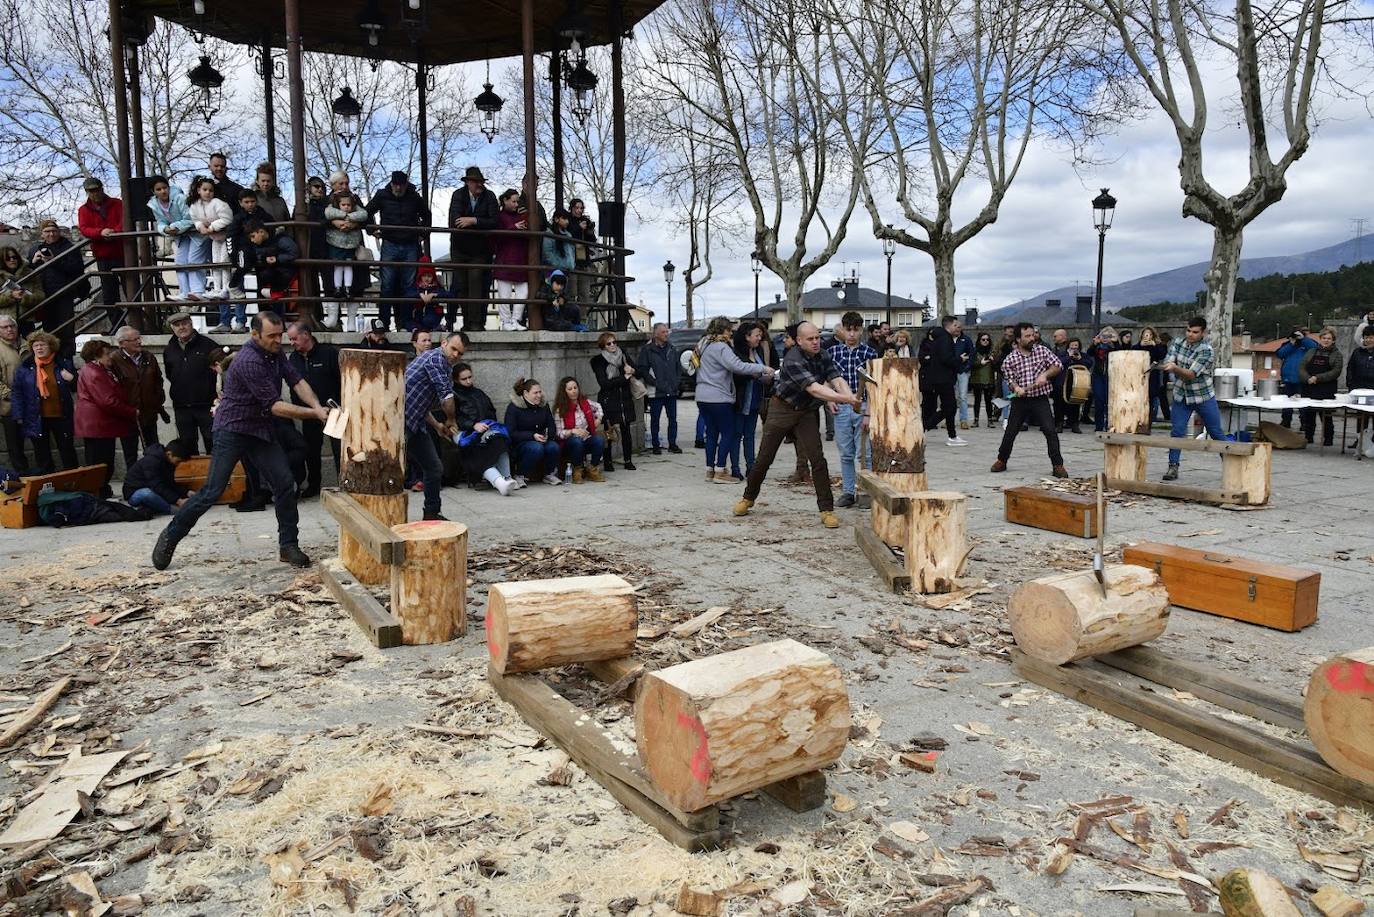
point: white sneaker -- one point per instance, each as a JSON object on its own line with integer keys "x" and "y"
{"x": 240, "y": 329}
{"x": 504, "y": 486}
{"x": 219, "y": 329}
{"x": 521, "y": 481}
{"x": 552, "y": 479}
{"x": 956, "y": 441}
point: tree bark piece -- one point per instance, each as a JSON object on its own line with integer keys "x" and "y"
{"x": 1249, "y": 473}
{"x": 1339, "y": 712}
{"x": 36, "y": 711}
{"x": 1063, "y": 617}
{"x": 1128, "y": 411}
{"x": 937, "y": 540}
{"x": 897, "y": 437}
{"x": 714, "y": 728}
{"x": 372, "y": 455}
{"x": 1333, "y": 902}
{"x": 1251, "y": 893}
{"x": 388, "y": 510}
{"x": 539, "y": 624}
{"x": 429, "y": 588}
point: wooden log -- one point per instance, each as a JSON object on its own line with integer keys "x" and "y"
{"x": 884, "y": 562}
{"x": 1181, "y": 443}
{"x": 377, "y": 539}
{"x": 1128, "y": 411}
{"x": 937, "y": 540}
{"x": 429, "y": 588}
{"x": 380, "y": 626}
{"x": 538, "y": 624}
{"x": 387, "y": 510}
{"x": 898, "y": 437}
{"x": 884, "y": 494}
{"x": 1177, "y": 491}
{"x": 1251, "y": 893}
{"x": 801, "y": 793}
{"x": 714, "y": 728}
{"x": 1339, "y": 712}
{"x": 1063, "y": 617}
{"x": 1249, "y": 473}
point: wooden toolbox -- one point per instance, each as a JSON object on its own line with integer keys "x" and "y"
{"x": 1274, "y": 595}
{"x": 19, "y": 510}
{"x": 1071, "y": 514}
{"x": 194, "y": 470}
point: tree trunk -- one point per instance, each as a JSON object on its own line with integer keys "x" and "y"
{"x": 1063, "y": 617}
{"x": 897, "y": 437}
{"x": 944, "y": 279}
{"x": 372, "y": 454}
{"x": 1220, "y": 278}
{"x": 1128, "y": 411}
{"x": 539, "y": 624}
{"x": 937, "y": 540}
{"x": 429, "y": 588}
{"x": 716, "y": 727}
{"x": 1339, "y": 712}
{"x": 389, "y": 510}
{"x": 689, "y": 303}
{"x": 793, "y": 287}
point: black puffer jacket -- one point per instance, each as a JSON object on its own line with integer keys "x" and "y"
{"x": 471, "y": 406}
{"x": 524, "y": 422}
{"x": 1359, "y": 372}
{"x": 189, "y": 371}
{"x": 154, "y": 472}
{"x": 405, "y": 209}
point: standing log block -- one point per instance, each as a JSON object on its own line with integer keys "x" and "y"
{"x": 1063, "y": 617}
{"x": 1128, "y": 411}
{"x": 539, "y": 624}
{"x": 1339, "y": 712}
{"x": 429, "y": 588}
{"x": 714, "y": 728}
{"x": 937, "y": 540}
{"x": 897, "y": 437}
{"x": 387, "y": 509}
{"x": 1249, "y": 474}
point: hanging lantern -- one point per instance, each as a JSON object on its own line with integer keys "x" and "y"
{"x": 582, "y": 82}
{"x": 371, "y": 22}
{"x": 413, "y": 19}
{"x": 210, "y": 82}
{"x": 575, "y": 28}
{"x": 489, "y": 107}
{"x": 347, "y": 116}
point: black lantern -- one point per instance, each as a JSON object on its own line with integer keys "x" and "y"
{"x": 668, "y": 269}
{"x": 575, "y": 28}
{"x": 347, "y": 116}
{"x": 489, "y": 107}
{"x": 1104, "y": 207}
{"x": 371, "y": 22}
{"x": 582, "y": 82}
{"x": 209, "y": 81}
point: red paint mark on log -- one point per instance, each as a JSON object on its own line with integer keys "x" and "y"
{"x": 1351, "y": 677}
{"x": 493, "y": 645}
{"x": 701, "y": 762}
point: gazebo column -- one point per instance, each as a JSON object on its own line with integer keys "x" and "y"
{"x": 422, "y": 125}
{"x": 269, "y": 113}
{"x": 556, "y": 120}
{"x": 620, "y": 319}
{"x": 143, "y": 320}
{"x": 534, "y": 319}
{"x": 121, "y": 100}
{"x": 296, "y": 94}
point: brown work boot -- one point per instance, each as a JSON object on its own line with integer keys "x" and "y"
{"x": 829, "y": 519}
{"x": 999, "y": 465}
{"x": 577, "y": 474}
{"x": 594, "y": 475}
{"x": 742, "y": 507}
{"x": 1060, "y": 471}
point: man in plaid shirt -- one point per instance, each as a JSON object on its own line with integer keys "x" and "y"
{"x": 850, "y": 355}
{"x": 429, "y": 386}
{"x": 1192, "y": 362}
{"x": 1027, "y": 370}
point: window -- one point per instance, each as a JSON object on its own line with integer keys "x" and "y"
{"x": 873, "y": 317}
{"x": 906, "y": 319}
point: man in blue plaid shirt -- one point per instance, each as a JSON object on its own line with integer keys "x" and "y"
{"x": 429, "y": 386}
{"x": 850, "y": 355}
{"x": 1192, "y": 362}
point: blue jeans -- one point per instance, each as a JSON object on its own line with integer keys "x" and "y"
{"x": 529, "y": 455}
{"x": 1099, "y": 403}
{"x": 396, "y": 279}
{"x": 657, "y": 405}
{"x": 238, "y": 310}
{"x": 746, "y": 426}
{"x": 420, "y": 449}
{"x": 960, "y": 394}
{"x": 189, "y": 281}
{"x": 847, "y": 431}
{"x": 592, "y": 447}
{"x": 720, "y": 428}
{"x": 701, "y": 425}
{"x": 1180, "y": 413}
{"x": 1289, "y": 388}
{"x": 147, "y": 498}
{"x": 269, "y": 458}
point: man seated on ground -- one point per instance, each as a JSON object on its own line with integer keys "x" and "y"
{"x": 150, "y": 483}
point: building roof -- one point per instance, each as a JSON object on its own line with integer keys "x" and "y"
{"x": 866, "y": 299}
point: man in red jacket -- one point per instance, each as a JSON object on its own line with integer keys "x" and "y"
{"x": 99, "y": 219}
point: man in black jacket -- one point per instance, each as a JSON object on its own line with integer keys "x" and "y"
{"x": 317, "y": 198}
{"x": 150, "y": 482}
{"x": 318, "y": 364}
{"x": 188, "y": 364}
{"x": 398, "y": 206}
{"x": 941, "y": 373}
{"x": 60, "y": 309}
{"x": 472, "y": 210}
{"x": 226, "y": 189}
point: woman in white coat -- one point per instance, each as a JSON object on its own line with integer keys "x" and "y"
{"x": 212, "y": 218}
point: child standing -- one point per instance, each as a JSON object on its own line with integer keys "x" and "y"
{"x": 344, "y": 218}
{"x": 212, "y": 218}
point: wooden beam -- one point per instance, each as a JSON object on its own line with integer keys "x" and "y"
{"x": 801, "y": 793}
{"x": 883, "y": 560}
{"x": 1178, "y": 491}
{"x": 1183, "y": 443}
{"x": 884, "y": 494}
{"x": 380, "y": 626}
{"x": 380, "y": 542}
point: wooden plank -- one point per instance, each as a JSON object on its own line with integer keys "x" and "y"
{"x": 1051, "y": 510}
{"x": 1178, "y": 491}
{"x": 1238, "y": 694}
{"x": 801, "y": 793}
{"x": 883, "y": 560}
{"x": 380, "y": 625}
{"x": 884, "y": 494}
{"x": 1127, "y": 697}
{"x": 378, "y": 539}
{"x": 1164, "y": 912}
{"x": 37, "y": 709}
{"x": 623, "y": 672}
{"x": 572, "y": 730}
{"x": 1182, "y": 443}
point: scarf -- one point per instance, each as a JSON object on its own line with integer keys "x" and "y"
{"x": 570, "y": 416}
{"x": 42, "y": 366}
{"x": 616, "y": 359}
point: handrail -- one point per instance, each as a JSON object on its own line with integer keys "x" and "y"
{"x": 77, "y": 248}
{"x": 84, "y": 278}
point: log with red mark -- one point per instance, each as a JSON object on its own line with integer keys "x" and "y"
{"x": 1339, "y": 712}
{"x": 701, "y": 761}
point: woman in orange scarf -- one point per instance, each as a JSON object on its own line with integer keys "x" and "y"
{"x": 42, "y": 401}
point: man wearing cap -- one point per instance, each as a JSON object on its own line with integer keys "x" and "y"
{"x": 188, "y": 362}
{"x": 375, "y": 337}
{"x": 472, "y": 210}
{"x": 397, "y": 207}
{"x": 98, "y": 220}
{"x": 58, "y": 280}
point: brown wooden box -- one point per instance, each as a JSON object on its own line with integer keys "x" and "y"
{"x": 19, "y": 510}
{"x": 1259, "y": 592}
{"x": 1071, "y": 514}
{"x": 194, "y": 470}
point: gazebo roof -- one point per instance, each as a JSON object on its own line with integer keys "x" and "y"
{"x": 453, "y": 33}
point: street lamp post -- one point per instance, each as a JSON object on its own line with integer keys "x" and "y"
{"x": 756, "y": 265}
{"x": 889, "y": 249}
{"x": 668, "y": 269}
{"x": 1104, "y": 207}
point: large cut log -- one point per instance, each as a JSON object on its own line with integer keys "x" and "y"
{"x": 897, "y": 437}
{"x": 717, "y": 727}
{"x": 429, "y": 587}
{"x": 1128, "y": 411}
{"x": 1251, "y": 893}
{"x": 539, "y": 624}
{"x": 937, "y": 540}
{"x": 357, "y": 558}
{"x": 1063, "y": 617}
{"x": 1249, "y": 473}
{"x": 372, "y": 456}
{"x": 1339, "y": 712}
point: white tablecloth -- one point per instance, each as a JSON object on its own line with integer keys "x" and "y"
{"x": 1282, "y": 403}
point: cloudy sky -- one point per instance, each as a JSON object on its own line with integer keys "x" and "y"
{"x": 1044, "y": 237}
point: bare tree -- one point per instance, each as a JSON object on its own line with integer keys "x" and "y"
{"x": 1275, "y": 50}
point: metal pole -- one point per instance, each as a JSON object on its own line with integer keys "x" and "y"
{"x": 556, "y": 119}
{"x": 422, "y": 111}
{"x": 136, "y": 113}
{"x": 889, "y": 291}
{"x": 1097, "y": 295}
{"x": 670, "y": 304}
{"x": 295, "y": 84}
{"x": 269, "y": 114}
{"x": 535, "y": 319}
{"x": 756, "y": 296}
{"x": 117, "y": 52}
{"x": 618, "y": 144}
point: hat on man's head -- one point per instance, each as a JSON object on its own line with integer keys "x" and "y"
{"x": 475, "y": 174}
{"x": 92, "y": 184}
{"x": 178, "y": 317}
{"x": 376, "y": 326}
{"x": 45, "y": 224}
{"x": 399, "y": 178}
